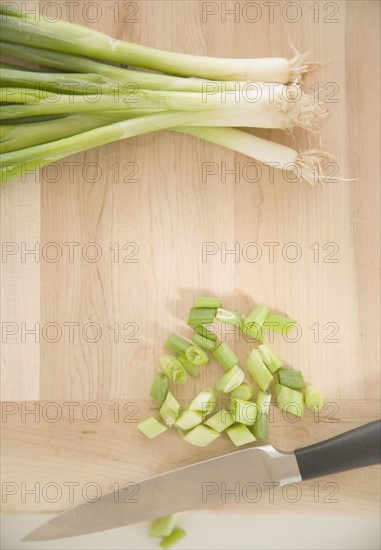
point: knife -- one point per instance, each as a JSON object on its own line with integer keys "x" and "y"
{"x": 207, "y": 483}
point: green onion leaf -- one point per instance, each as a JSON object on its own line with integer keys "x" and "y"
{"x": 240, "y": 435}
{"x": 269, "y": 358}
{"x": 225, "y": 356}
{"x": 173, "y": 369}
{"x": 313, "y": 397}
{"x": 207, "y": 302}
{"x": 258, "y": 370}
{"x": 244, "y": 391}
{"x": 151, "y": 427}
{"x": 201, "y": 436}
{"x": 289, "y": 400}
{"x": 170, "y": 410}
{"x": 291, "y": 378}
{"x": 162, "y": 527}
{"x": 245, "y": 412}
{"x": 205, "y": 401}
{"x": 196, "y": 356}
{"x": 201, "y": 316}
{"x": 205, "y": 332}
{"x": 191, "y": 369}
{"x": 231, "y": 380}
{"x": 160, "y": 387}
{"x": 229, "y": 317}
{"x": 220, "y": 421}
{"x": 188, "y": 419}
{"x": 173, "y": 538}
{"x": 176, "y": 343}
{"x": 203, "y": 342}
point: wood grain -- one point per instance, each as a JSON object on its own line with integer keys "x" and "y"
{"x": 152, "y": 192}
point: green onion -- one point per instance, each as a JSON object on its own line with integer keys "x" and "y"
{"x": 263, "y": 402}
{"x": 203, "y": 342}
{"x": 231, "y": 380}
{"x": 176, "y": 343}
{"x": 173, "y": 538}
{"x": 201, "y": 316}
{"x": 258, "y": 370}
{"x": 189, "y": 419}
{"x": 170, "y": 410}
{"x": 201, "y": 436}
{"x": 220, "y": 421}
{"x": 191, "y": 369}
{"x": 289, "y": 400}
{"x": 279, "y": 323}
{"x": 173, "y": 369}
{"x": 151, "y": 427}
{"x": 245, "y": 412}
{"x": 162, "y": 527}
{"x": 244, "y": 391}
{"x": 160, "y": 387}
{"x": 205, "y": 333}
{"x": 291, "y": 378}
{"x": 261, "y": 426}
{"x": 240, "y": 435}
{"x": 252, "y": 325}
{"x": 71, "y": 38}
{"x": 196, "y": 356}
{"x": 205, "y": 402}
{"x": 225, "y": 356}
{"x": 269, "y": 358}
{"x": 313, "y": 397}
{"x": 229, "y": 317}
{"x": 203, "y": 301}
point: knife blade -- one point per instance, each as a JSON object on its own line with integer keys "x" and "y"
{"x": 209, "y": 482}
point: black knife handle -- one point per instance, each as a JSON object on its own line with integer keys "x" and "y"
{"x": 354, "y": 449}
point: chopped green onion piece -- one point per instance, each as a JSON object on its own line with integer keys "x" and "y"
{"x": 160, "y": 387}
{"x": 291, "y": 378}
{"x": 279, "y": 323}
{"x": 170, "y": 410}
{"x": 231, "y": 380}
{"x": 173, "y": 538}
{"x": 201, "y": 316}
{"x": 252, "y": 325}
{"x": 196, "y": 356}
{"x": 229, "y": 317}
{"x": 220, "y": 421}
{"x": 314, "y": 399}
{"x": 201, "y": 436}
{"x": 203, "y": 342}
{"x": 245, "y": 412}
{"x": 162, "y": 527}
{"x": 225, "y": 356}
{"x": 258, "y": 370}
{"x": 205, "y": 402}
{"x": 263, "y": 402}
{"x": 191, "y": 369}
{"x": 176, "y": 343}
{"x": 261, "y": 426}
{"x": 173, "y": 368}
{"x": 151, "y": 427}
{"x": 189, "y": 419}
{"x": 240, "y": 435}
{"x": 269, "y": 358}
{"x": 244, "y": 391}
{"x": 202, "y": 301}
{"x": 289, "y": 400}
{"x": 205, "y": 332}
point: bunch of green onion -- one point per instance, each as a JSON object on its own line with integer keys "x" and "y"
{"x": 88, "y": 101}
{"x": 247, "y": 417}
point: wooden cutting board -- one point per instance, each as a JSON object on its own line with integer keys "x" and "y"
{"x": 126, "y": 235}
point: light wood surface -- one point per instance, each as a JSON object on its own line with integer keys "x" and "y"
{"x": 169, "y": 212}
